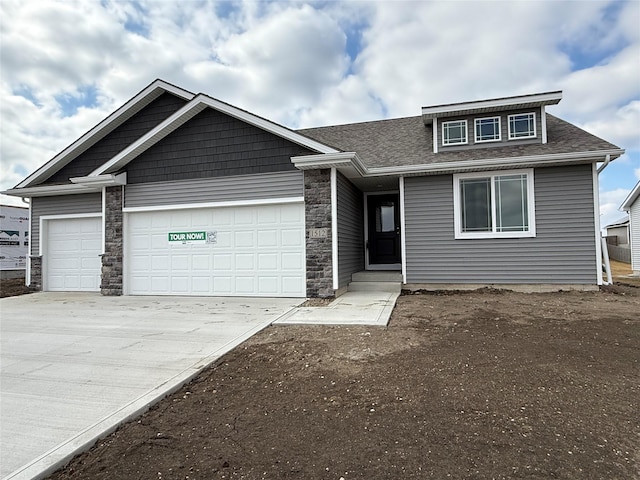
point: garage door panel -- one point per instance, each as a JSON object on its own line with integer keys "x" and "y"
{"x": 292, "y": 261}
{"x": 267, "y": 238}
{"x": 72, "y": 254}
{"x": 291, "y": 238}
{"x": 245, "y": 240}
{"x": 244, "y": 216}
{"x": 267, "y": 261}
{"x": 268, "y": 285}
{"x": 252, "y": 254}
{"x": 222, "y": 262}
{"x": 244, "y": 262}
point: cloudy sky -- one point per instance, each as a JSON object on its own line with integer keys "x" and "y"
{"x": 67, "y": 64}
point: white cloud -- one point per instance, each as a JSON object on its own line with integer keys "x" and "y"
{"x": 288, "y": 61}
{"x": 610, "y": 202}
{"x": 637, "y": 173}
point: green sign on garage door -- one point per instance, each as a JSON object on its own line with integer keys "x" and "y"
{"x": 188, "y": 237}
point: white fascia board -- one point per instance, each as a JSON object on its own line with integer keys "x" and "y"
{"x": 134, "y": 105}
{"x": 106, "y": 180}
{"x": 492, "y": 163}
{"x": 330, "y": 160}
{"x": 50, "y": 190}
{"x": 631, "y": 198}
{"x": 190, "y": 110}
{"x": 546, "y": 98}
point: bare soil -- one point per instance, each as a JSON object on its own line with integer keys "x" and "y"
{"x": 12, "y": 287}
{"x": 483, "y": 385}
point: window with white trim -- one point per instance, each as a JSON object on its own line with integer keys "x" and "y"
{"x": 487, "y": 129}
{"x": 522, "y": 125}
{"x": 454, "y": 133}
{"x": 494, "y": 204}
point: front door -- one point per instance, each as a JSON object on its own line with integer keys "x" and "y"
{"x": 383, "y": 216}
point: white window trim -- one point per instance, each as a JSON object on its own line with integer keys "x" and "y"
{"x": 466, "y": 137}
{"x": 475, "y": 129}
{"x": 535, "y": 133}
{"x": 457, "y": 213}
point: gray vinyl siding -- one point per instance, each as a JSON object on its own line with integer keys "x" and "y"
{"x": 132, "y": 129}
{"x": 213, "y": 144}
{"x": 224, "y": 189}
{"x": 563, "y": 251}
{"x": 60, "y": 205}
{"x": 350, "y": 230}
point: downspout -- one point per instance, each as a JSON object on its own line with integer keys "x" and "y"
{"x": 600, "y": 246}
{"x": 607, "y": 159}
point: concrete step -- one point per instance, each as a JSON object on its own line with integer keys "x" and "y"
{"x": 378, "y": 276}
{"x": 369, "y": 286}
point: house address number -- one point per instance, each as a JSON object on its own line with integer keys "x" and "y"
{"x": 318, "y": 232}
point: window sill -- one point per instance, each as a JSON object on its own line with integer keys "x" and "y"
{"x": 493, "y": 235}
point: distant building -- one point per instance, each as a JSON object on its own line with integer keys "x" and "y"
{"x": 14, "y": 238}
{"x": 618, "y": 232}
{"x": 631, "y": 205}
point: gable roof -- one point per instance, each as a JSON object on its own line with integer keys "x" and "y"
{"x": 631, "y": 198}
{"x": 190, "y": 110}
{"x": 102, "y": 129}
{"x": 408, "y": 142}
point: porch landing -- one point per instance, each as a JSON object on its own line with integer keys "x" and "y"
{"x": 369, "y": 300}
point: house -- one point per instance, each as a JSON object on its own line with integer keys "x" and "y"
{"x": 631, "y": 205}
{"x": 178, "y": 193}
{"x": 618, "y": 232}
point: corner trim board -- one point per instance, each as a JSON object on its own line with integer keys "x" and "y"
{"x": 334, "y": 228}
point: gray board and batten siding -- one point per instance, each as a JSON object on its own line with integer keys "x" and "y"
{"x": 217, "y": 189}
{"x": 122, "y": 136}
{"x": 60, "y": 205}
{"x": 563, "y": 251}
{"x": 350, "y": 230}
{"x": 213, "y": 144}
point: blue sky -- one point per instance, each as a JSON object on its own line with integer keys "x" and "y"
{"x": 67, "y": 64}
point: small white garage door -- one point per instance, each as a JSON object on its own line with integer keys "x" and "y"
{"x": 72, "y": 254}
{"x": 230, "y": 251}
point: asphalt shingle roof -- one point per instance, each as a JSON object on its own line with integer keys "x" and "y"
{"x": 408, "y": 141}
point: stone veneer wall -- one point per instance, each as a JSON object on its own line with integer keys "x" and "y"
{"x": 35, "y": 282}
{"x": 111, "y": 283}
{"x": 317, "y": 205}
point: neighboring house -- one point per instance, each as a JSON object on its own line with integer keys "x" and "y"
{"x": 631, "y": 205}
{"x": 181, "y": 194}
{"x": 618, "y": 232}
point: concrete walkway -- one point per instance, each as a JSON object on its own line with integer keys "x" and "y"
{"x": 352, "y": 308}
{"x": 75, "y": 366}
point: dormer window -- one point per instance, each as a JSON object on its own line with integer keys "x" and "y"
{"x": 487, "y": 129}
{"x": 522, "y": 125}
{"x": 454, "y": 133}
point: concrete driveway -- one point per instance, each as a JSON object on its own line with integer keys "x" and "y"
{"x": 74, "y": 366}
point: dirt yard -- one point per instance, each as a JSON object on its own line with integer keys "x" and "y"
{"x": 12, "y": 287}
{"x": 486, "y": 384}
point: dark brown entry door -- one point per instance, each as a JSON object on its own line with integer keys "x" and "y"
{"x": 384, "y": 229}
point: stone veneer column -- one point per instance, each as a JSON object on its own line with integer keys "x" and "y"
{"x": 317, "y": 205}
{"x": 111, "y": 283}
{"x": 35, "y": 281}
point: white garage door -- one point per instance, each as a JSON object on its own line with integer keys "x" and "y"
{"x": 72, "y": 254}
{"x": 230, "y": 251}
